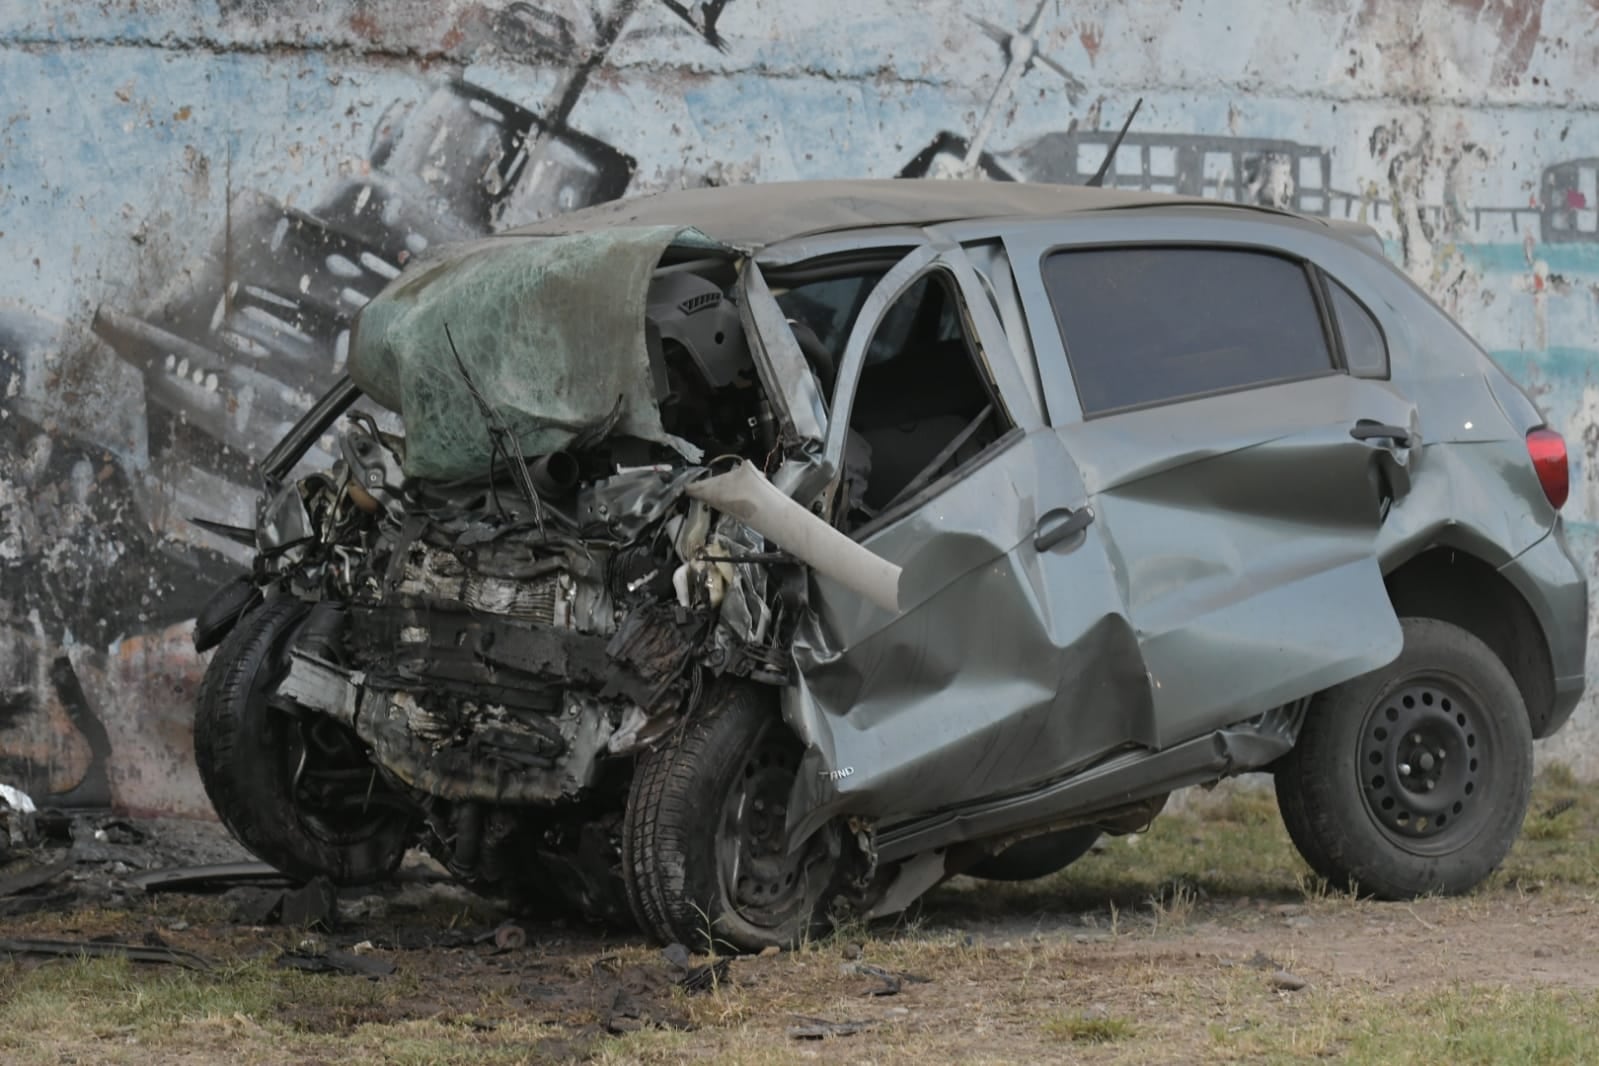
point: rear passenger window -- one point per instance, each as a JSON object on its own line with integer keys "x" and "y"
{"x": 1154, "y": 325}
{"x": 1365, "y": 351}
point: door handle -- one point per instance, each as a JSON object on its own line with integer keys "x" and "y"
{"x": 1366, "y": 429}
{"x": 1070, "y": 523}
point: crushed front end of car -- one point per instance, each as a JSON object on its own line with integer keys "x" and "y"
{"x": 463, "y": 636}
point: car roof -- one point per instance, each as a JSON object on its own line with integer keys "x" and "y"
{"x": 751, "y": 217}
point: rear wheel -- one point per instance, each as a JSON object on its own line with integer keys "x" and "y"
{"x": 298, "y": 791}
{"x": 1415, "y": 778}
{"x": 704, "y": 847}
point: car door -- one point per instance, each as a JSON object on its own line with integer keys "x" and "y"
{"x": 1011, "y": 659}
{"x": 1239, "y": 473}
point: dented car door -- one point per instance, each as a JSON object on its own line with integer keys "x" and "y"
{"x": 1011, "y": 659}
{"x": 1239, "y": 470}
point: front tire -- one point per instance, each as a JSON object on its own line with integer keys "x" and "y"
{"x": 704, "y": 843}
{"x": 253, "y": 760}
{"x": 1413, "y": 779}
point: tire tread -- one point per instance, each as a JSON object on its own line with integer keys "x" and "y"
{"x": 1333, "y": 832}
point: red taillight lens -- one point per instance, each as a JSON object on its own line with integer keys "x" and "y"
{"x": 1547, "y": 449}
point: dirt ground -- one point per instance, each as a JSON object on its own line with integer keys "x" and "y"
{"x": 1203, "y": 940}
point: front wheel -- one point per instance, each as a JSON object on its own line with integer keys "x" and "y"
{"x": 1415, "y": 778}
{"x": 299, "y": 791}
{"x": 704, "y": 842}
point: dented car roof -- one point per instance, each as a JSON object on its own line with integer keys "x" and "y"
{"x": 754, "y": 216}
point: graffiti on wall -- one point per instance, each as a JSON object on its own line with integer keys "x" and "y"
{"x": 96, "y": 548}
{"x": 100, "y": 571}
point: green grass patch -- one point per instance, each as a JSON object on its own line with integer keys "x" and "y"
{"x": 1559, "y": 841}
{"x": 1231, "y": 845}
{"x": 95, "y": 997}
{"x": 1089, "y": 1029}
{"x": 1487, "y": 1026}
{"x": 1462, "y": 1025}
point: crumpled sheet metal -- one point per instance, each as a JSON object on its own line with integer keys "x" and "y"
{"x": 551, "y": 332}
{"x": 971, "y": 690}
{"x": 1010, "y": 666}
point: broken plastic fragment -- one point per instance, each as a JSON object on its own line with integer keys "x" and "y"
{"x": 17, "y": 799}
{"x": 17, "y": 829}
{"x": 747, "y": 495}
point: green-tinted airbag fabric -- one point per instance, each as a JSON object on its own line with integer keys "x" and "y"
{"x": 551, "y": 330}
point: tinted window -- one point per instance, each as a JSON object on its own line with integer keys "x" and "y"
{"x": 924, "y": 314}
{"x": 1145, "y": 325}
{"x": 829, "y": 307}
{"x": 1365, "y": 351}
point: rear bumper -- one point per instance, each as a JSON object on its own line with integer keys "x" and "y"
{"x": 1556, "y": 588}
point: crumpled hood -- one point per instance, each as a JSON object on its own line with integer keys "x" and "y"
{"x": 550, "y": 330}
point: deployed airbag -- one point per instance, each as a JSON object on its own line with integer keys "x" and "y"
{"x": 551, "y": 331}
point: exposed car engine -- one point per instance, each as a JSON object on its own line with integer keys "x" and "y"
{"x": 499, "y": 644}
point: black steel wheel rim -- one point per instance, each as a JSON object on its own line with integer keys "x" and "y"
{"x": 334, "y": 788}
{"x": 1427, "y": 752}
{"x": 766, "y": 885}
{"x": 336, "y": 791}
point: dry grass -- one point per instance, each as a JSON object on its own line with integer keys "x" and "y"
{"x": 1158, "y": 948}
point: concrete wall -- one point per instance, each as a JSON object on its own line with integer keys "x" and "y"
{"x": 194, "y": 197}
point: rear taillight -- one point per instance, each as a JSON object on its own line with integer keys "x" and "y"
{"x": 1547, "y": 449}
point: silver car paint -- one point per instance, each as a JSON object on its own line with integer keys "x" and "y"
{"x": 1013, "y": 666}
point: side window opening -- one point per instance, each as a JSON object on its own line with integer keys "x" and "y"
{"x": 821, "y": 315}
{"x": 1365, "y": 349}
{"x": 922, "y": 407}
{"x": 1158, "y": 324}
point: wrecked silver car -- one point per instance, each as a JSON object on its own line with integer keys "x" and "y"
{"x": 735, "y": 559}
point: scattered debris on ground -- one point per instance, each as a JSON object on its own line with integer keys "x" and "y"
{"x": 17, "y": 830}
{"x": 315, "y": 958}
{"x": 820, "y": 1028}
{"x": 102, "y": 949}
{"x": 1105, "y": 964}
{"x": 1284, "y": 981}
{"x": 36, "y": 877}
{"x": 888, "y": 983}
{"x": 211, "y": 877}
